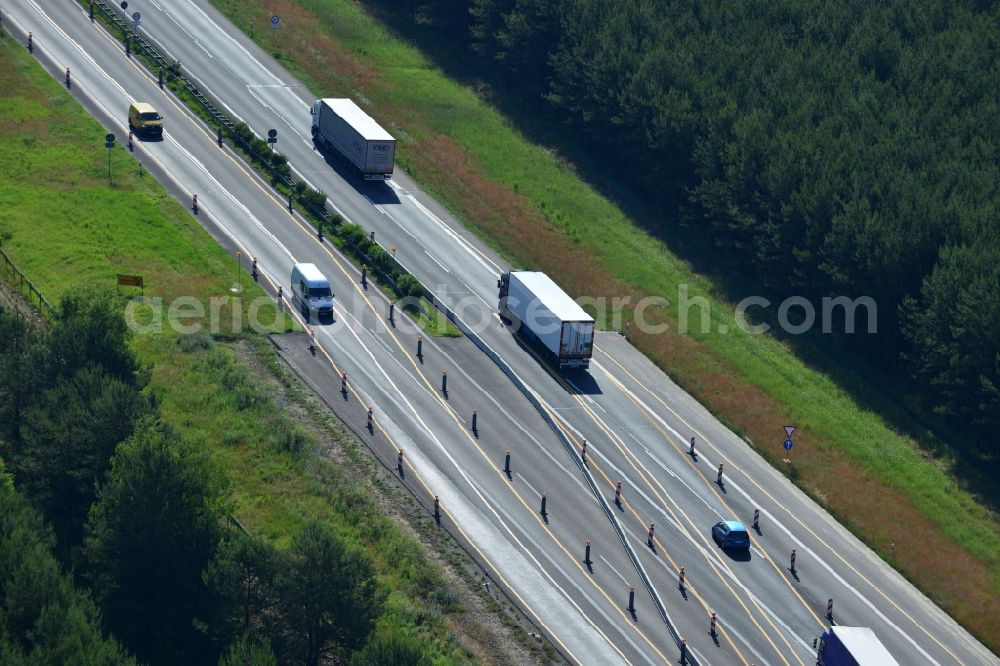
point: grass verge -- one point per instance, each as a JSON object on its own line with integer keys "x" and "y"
{"x": 273, "y": 167}
{"x": 531, "y": 205}
{"x": 221, "y": 388}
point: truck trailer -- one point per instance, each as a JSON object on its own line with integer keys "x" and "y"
{"x": 342, "y": 125}
{"x": 852, "y": 646}
{"x": 547, "y": 317}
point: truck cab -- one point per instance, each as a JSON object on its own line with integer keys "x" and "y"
{"x": 311, "y": 291}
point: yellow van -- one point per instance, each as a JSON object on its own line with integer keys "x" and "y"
{"x": 143, "y": 118}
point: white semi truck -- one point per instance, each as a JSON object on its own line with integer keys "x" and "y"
{"x": 547, "y": 317}
{"x": 342, "y": 125}
{"x": 852, "y": 646}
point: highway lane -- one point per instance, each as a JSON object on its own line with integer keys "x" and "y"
{"x": 454, "y": 264}
{"x": 265, "y": 97}
{"x": 614, "y": 408}
{"x": 538, "y": 560}
{"x": 275, "y": 251}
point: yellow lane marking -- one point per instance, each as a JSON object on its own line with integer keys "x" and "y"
{"x": 787, "y": 511}
{"x": 722, "y": 500}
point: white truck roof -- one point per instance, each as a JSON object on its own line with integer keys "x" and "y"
{"x": 310, "y": 273}
{"x": 865, "y": 646}
{"x": 358, "y": 119}
{"x": 551, "y": 296}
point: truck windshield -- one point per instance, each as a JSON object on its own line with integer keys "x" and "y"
{"x": 319, "y": 292}
{"x": 150, "y": 115}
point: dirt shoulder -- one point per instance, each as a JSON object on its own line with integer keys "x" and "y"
{"x": 489, "y": 626}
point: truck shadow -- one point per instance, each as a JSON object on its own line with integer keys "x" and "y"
{"x": 574, "y": 382}
{"x": 377, "y": 191}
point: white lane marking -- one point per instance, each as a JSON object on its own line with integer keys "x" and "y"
{"x": 393, "y": 218}
{"x": 492, "y": 507}
{"x": 801, "y": 546}
{"x": 201, "y": 166}
{"x": 466, "y": 245}
{"x": 474, "y": 520}
{"x": 168, "y": 138}
{"x": 291, "y": 128}
{"x": 443, "y": 267}
{"x": 208, "y": 21}
{"x": 525, "y": 482}
{"x": 613, "y": 570}
{"x": 491, "y": 266}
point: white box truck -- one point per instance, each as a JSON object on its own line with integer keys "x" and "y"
{"x": 546, "y": 316}
{"x": 311, "y": 291}
{"x": 852, "y": 646}
{"x": 342, "y": 125}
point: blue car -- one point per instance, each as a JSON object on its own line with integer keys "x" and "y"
{"x": 730, "y": 534}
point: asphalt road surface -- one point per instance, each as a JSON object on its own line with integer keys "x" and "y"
{"x": 635, "y": 421}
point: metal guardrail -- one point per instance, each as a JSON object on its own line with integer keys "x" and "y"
{"x": 25, "y": 283}
{"x": 171, "y": 71}
{"x": 323, "y": 214}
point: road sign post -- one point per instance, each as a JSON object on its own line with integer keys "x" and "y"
{"x": 789, "y": 429}
{"x": 275, "y": 22}
{"x": 272, "y": 137}
{"x": 135, "y": 20}
{"x": 109, "y": 143}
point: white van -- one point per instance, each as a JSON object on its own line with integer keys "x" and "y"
{"x": 311, "y": 290}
